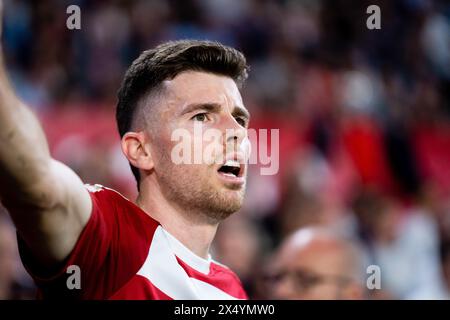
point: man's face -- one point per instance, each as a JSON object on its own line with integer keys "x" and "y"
{"x": 201, "y": 117}
{"x": 312, "y": 272}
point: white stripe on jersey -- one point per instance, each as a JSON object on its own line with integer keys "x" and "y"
{"x": 162, "y": 269}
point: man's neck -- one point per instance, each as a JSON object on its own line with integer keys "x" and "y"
{"x": 187, "y": 227}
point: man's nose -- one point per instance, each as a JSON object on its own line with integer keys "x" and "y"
{"x": 234, "y": 132}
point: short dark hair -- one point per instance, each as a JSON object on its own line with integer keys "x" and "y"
{"x": 165, "y": 62}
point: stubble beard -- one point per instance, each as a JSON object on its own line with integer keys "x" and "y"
{"x": 197, "y": 195}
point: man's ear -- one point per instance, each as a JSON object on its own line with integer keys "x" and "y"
{"x": 136, "y": 148}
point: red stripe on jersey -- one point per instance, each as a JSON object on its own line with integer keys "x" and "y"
{"x": 139, "y": 288}
{"x": 219, "y": 277}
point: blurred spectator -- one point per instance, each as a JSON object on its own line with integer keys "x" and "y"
{"x": 7, "y": 263}
{"x": 438, "y": 290}
{"x": 315, "y": 263}
{"x": 404, "y": 244}
{"x": 14, "y": 281}
{"x": 240, "y": 245}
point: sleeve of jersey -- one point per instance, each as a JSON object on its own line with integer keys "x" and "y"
{"x": 102, "y": 259}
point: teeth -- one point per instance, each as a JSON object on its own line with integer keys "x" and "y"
{"x": 232, "y": 163}
{"x": 229, "y": 174}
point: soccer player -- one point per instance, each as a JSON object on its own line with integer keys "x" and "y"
{"x": 156, "y": 247}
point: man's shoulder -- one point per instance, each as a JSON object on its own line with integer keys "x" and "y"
{"x": 217, "y": 266}
{"x": 100, "y": 189}
{"x": 112, "y": 202}
{"x": 224, "y": 275}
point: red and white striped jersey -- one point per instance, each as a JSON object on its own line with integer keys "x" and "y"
{"x": 123, "y": 253}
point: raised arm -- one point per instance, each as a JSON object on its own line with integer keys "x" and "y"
{"x": 46, "y": 200}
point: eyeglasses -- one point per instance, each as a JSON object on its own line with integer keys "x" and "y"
{"x": 304, "y": 280}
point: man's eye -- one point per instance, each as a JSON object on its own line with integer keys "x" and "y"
{"x": 306, "y": 281}
{"x": 200, "y": 117}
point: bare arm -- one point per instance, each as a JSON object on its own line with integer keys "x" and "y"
{"x": 47, "y": 201}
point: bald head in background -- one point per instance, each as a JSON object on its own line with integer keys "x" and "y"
{"x": 315, "y": 263}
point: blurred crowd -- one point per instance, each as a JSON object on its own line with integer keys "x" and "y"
{"x": 363, "y": 114}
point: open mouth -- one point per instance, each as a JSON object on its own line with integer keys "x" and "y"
{"x": 231, "y": 168}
